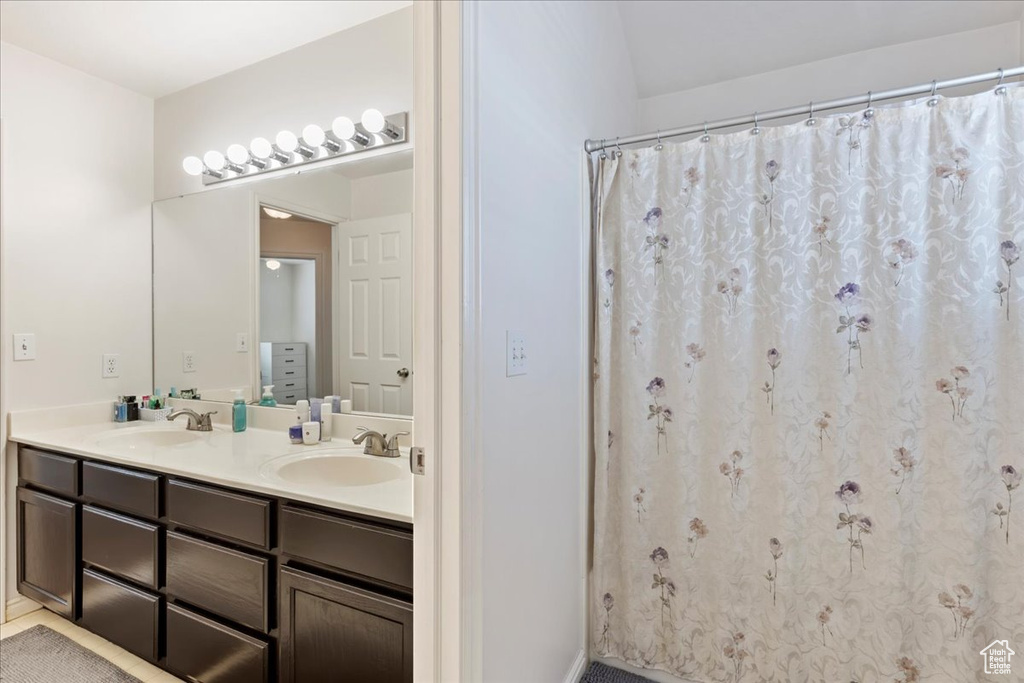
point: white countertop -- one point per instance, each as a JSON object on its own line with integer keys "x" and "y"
{"x": 238, "y": 461}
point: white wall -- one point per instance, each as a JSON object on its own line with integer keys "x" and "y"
{"x": 548, "y": 75}
{"x": 958, "y": 54}
{"x": 78, "y": 182}
{"x": 369, "y": 65}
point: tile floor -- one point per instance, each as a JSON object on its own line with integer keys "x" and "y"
{"x": 141, "y": 669}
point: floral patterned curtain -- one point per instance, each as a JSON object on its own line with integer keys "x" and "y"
{"x": 809, "y": 398}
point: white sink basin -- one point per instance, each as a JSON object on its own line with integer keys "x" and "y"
{"x": 140, "y": 438}
{"x": 333, "y": 468}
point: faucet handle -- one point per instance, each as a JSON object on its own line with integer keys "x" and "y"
{"x": 392, "y": 448}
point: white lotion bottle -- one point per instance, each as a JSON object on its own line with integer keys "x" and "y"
{"x": 326, "y": 420}
{"x": 301, "y": 412}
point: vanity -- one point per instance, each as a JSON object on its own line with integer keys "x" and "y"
{"x": 262, "y": 582}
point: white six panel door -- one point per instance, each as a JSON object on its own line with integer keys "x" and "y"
{"x": 375, "y": 311}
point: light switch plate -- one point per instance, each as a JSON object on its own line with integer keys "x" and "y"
{"x": 242, "y": 342}
{"x": 24, "y": 346}
{"x": 111, "y": 365}
{"x": 188, "y": 361}
{"x": 515, "y": 353}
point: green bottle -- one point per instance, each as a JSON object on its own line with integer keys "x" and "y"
{"x": 238, "y": 412}
{"x": 268, "y": 399}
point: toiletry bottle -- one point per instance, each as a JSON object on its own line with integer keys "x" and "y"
{"x": 335, "y": 404}
{"x": 268, "y": 396}
{"x": 326, "y": 418}
{"x": 238, "y": 408}
{"x": 311, "y": 433}
{"x": 315, "y": 407}
{"x": 301, "y": 411}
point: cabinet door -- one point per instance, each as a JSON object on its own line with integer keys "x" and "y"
{"x": 334, "y": 632}
{"x": 47, "y": 543}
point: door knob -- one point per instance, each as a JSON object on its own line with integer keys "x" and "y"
{"x": 404, "y": 373}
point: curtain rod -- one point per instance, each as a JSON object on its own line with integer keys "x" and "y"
{"x": 923, "y": 89}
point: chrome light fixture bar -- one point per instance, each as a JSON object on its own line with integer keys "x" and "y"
{"x": 345, "y": 137}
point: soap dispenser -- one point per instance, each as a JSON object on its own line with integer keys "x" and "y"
{"x": 268, "y": 399}
{"x": 238, "y": 408}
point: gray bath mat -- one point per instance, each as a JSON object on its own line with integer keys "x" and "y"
{"x": 41, "y": 655}
{"x": 600, "y": 673}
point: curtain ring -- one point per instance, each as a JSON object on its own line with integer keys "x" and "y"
{"x": 870, "y": 111}
{"x": 756, "y": 130}
{"x": 618, "y": 150}
{"x": 604, "y": 148}
{"x": 810, "y": 119}
{"x": 933, "y": 100}
{"x": 659, "y": 146}
{"x": 705, "y": 137}
{"x": 1000, "y": 88}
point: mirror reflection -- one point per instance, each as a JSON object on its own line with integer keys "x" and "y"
{"x": 290, "y": 288}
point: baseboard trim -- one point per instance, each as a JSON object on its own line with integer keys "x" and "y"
{"x": 19, "y": 606}
{"x": 579, "y": 665}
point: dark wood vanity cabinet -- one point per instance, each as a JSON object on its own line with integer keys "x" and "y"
{"x": 48, "y": 550}
{"x": 212, "y": 584}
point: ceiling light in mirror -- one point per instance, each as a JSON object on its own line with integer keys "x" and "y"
{"x": 273, "y": 264}
{"x": 276, "y": 213}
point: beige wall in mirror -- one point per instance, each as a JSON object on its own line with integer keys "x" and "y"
{"x": 303, "y": 282}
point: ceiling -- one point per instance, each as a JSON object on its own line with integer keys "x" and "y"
{"x": 681, "y": 45}
{"x": 161, "y": 46}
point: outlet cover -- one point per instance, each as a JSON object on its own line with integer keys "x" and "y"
{"x": 515, "y": 353}
{"x": 111, "y": 365}
{"x": 242, "y": 342}
{"x": 24, "y": 346}
{"x": 188, "y": 361}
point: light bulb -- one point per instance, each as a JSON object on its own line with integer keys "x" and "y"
{"x": 373, "y": 120}
{"x": 193, "y": 165}
{"x": 214, "y": 160}
{"x": 313, "y": 135}
{"x": 261, "y": 148}
{"x": 238, "y": 154}
{"x": 343, "y": 128}
{"x": 287, "y": 141}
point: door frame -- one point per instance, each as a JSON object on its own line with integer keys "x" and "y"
{"x": 259, "y": 201}
{"x": 446, "y": 500}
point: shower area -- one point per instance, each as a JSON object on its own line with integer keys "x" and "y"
{"x": 808, "y": 391}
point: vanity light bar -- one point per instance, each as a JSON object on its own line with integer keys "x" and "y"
{"x": 345, "y": 136}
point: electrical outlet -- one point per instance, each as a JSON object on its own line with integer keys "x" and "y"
{"x": 188, "y": 361}
{"x": 515, "y": 353}
{"x": 242, "y": 342}
{"x": 111, "y": 365}
{"x": 24, "y": 346}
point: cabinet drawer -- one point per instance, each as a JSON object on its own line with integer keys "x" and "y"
{"x": 287, "y": 349}
{"x": 224, "y": 581}
{"x": 121, "y": 545}
{"x": 374, "y": 552}
{"x": 126, "y": 490}
{"x": 48, "y": 471}
{"x": 281, "y": 374}
{"x": 203, "y": 650}
{"x": 231, "y": 515}
{"x": 126, "y": 616}
{"x": 289, "y": 385}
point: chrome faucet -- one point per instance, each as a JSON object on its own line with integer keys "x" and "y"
{"x": 196, "y": 422}
{"x": 378, "y": 444}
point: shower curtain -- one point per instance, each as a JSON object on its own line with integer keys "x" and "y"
{"x": 809, "y": 398}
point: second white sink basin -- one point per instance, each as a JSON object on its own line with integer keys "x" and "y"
{"x": 334, "y": 469}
